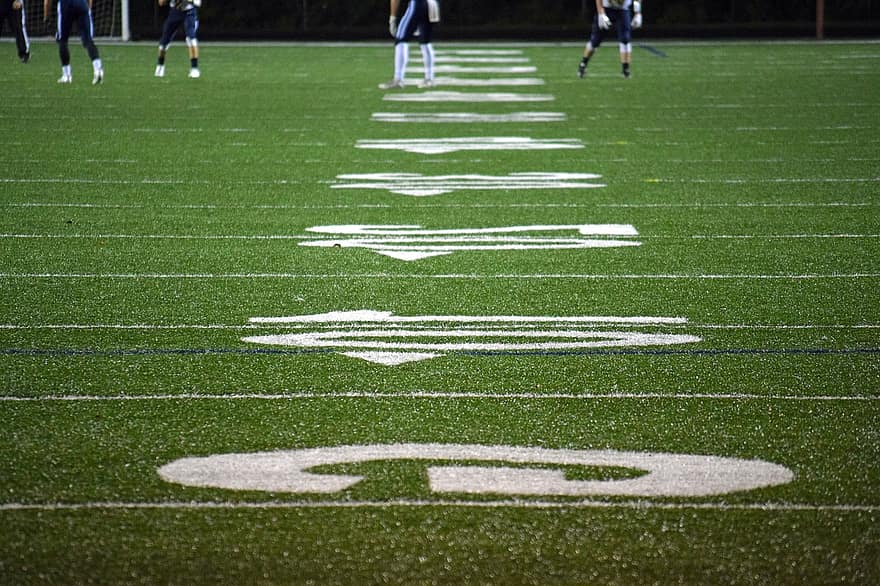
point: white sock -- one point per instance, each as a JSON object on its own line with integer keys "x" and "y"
{"x": 428, "y": 58}
{"x": 66, "y": 71}
{"x": 96, "y": 65}
{"x": 401, "y": 57}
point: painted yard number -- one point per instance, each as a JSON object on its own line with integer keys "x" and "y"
{"x": 665, "y": 475}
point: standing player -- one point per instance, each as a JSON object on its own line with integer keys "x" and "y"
{"x": 614, "y": 13}
{"x": 183, "y": 13}
{"x": 417, "y": 19}
{"x": 80, "y": 12}
{"x": 12, "y": 11}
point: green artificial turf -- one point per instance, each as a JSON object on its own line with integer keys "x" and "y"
{"x": 145, "y": 222}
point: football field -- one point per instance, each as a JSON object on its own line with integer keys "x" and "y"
{"x": 277, "y": 326}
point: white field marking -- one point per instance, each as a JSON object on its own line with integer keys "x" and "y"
{"x": 256, "y": 326}
{"x": 443, "y": 58}
{"x": 466, "y": 276}
{"x": 479, "y": 52}
{"x": 513, "y": 69}
{"x": 778, "y": 236}
{"x": 158, "y": 236}
{"x": 468, "y": 117}
{"x": 436, "y": 146}
{"x": 668, "y": 475}
{"x": 406, "y": 395}
{"x": 486, "y": 82}
{"x": 469, "y": 97}
{"x": 841, "y": 204}
{"x": 733, "y": 181}
{"x": 418, "y": 185}
{"x": 387, "y": 317}
{"x": 390, "y": 344}
{"x": 516, "y": 503}
{"x": 411, "y": 243}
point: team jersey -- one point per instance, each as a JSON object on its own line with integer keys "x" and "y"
{"x": 621, "y": 4}
{"x": 183, "y": 5}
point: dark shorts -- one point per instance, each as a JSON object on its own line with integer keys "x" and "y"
{"x": 621, "y": 20}
{"x": 414, "y": 20}
{"x": 189, "y": 20}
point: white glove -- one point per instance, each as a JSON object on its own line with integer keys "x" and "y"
{"x": 197, "y": 3}
{"x": 637, "y": 20}
{"x": 604, "y": 21}
{"x": 392, "y": 25}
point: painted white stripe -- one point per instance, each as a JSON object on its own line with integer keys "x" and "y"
{"x": 479, "y": 52}
{"x": 514, "y": 69}
{"x": 446, "y": 58}
{"x": 418, "y": 185}
{"x": 368, "y": 316}
{"x": 485, "y": 82}
{"x": 434, "y": 146}
{"x": 468, "y": 117}
{"x": 420, "y": 193}
{"x": 468, "y": 97}
{"x": 767, "y": 507}
{"x": 476, "y": 276}
{"x": 259, "y": 326}
{"x": 841, "y": 204}
{"x": 737, "y": 181}
{"x": 309, "y": 395}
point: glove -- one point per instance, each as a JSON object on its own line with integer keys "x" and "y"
{"x": 604, "y": 21}
{"x": 392, "y": 25}
{"x": 197, "y": 3}
{"x": 637, "y": 20}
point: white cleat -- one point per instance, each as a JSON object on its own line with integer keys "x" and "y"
{"x": 99, "y": 77}
{"x": 195, "y": 73}
{"x": 394, "y": 84}
{"x": 426, "y": 83}
{"x": 160, "y": 71}
{"x": 65, "y": 79}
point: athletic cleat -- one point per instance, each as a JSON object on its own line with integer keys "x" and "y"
{"x": 26, "y": 57}
{"x": 195, "y": 73}
{"x": 65, "y": 79}
{"x": 99, "y": 77}
{"x": 582, "y": 70}
{"x": 626, "y": 74}
{"x": 160, "y": 71}
{"x": 426, "y": 83}
{"x": 394, "y": 84}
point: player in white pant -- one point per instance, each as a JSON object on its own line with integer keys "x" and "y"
{"x": 418, "y": 19}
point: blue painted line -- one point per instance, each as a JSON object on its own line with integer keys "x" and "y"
{"x": 652, "y": 50}
{"x": 294, "y": 352}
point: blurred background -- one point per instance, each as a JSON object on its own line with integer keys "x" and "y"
{"x": 549, "y": 20}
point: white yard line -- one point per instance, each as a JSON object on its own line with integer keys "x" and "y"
{"x": 501, "y": 396}
{"x": 767, "y": 507}
{"x": 451, "y": 276}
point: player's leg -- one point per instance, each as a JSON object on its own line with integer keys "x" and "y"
{"x": 64, "y": 22}
{"x": 86, "y": 33}
{"x": 592, "y": 45}
{"x": 624, "y": 36}
{"x": 425, "y": 38}
{"x": 18, "y": 23}
{"x": 169, "y": 29}
{"x": 405, "y": 29}
{"x": 192, "y": 42}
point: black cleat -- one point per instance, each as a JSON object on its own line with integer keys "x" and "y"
{"x": 582, "y": 69}
{"x": 25, "y": 58}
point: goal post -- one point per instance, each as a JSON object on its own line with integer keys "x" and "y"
{"x": 110, "y": 17}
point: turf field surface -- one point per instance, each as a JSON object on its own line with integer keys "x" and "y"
{"x": 707, "y": 289}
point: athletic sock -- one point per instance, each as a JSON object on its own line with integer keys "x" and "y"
{"x": 194, "y": 62}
